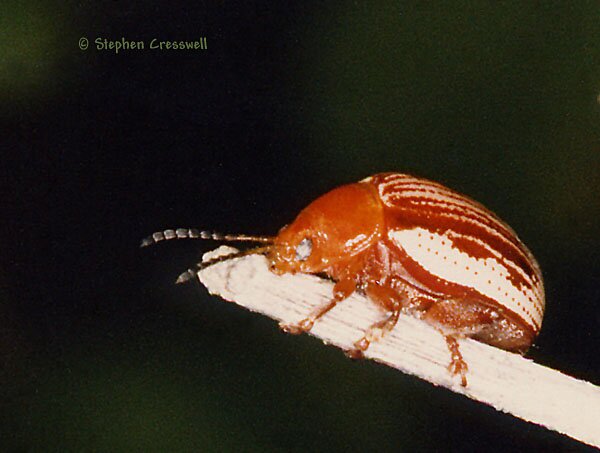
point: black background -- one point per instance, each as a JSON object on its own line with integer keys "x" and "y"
{"x": 100, "y": 351}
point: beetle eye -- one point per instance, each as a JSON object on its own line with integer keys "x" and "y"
{"x": 304, "y": 249}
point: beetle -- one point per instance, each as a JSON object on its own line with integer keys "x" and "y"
{"x": 413, "y": 246}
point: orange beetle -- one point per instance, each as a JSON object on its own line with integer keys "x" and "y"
{"x": 411, "y": 245}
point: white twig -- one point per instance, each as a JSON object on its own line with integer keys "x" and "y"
{"x": 508, "y": 382}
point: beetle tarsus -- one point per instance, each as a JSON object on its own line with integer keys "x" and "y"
{"x": 378, "y": 330}
{"x": 295, "y": 329}
{"x": 362, "y": 345}
{"x": 355, "y": 354}
{"x": 307, "y": 323}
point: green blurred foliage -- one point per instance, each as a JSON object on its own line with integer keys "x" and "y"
{"x": 34, "y": 43}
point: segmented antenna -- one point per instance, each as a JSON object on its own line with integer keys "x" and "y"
{"x": 191, "y": 273}
{"x": 193, "y": 233}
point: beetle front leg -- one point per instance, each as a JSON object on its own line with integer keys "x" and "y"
{"x": 342, "y": 290}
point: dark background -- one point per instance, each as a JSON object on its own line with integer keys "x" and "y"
{"x": 100, "y": 351}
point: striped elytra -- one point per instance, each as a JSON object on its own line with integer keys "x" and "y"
{"x": 412, "y": 246}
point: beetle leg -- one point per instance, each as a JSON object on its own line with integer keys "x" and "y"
{"x": 374, "y": 333}
{"x": 389, "y": 299}
{"x": 453, "y": 318}
{"x": 342, "y": 290}
{"x": 457, "y": 365}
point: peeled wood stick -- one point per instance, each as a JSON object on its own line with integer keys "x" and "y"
{"x": 508, "y": 382}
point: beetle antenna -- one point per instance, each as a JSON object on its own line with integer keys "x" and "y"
{"x": 193, "y": 233}
{"x": 191, "y": 273}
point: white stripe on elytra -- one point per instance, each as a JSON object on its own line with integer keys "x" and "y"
{"x": 435, "y": 194}
{"x": 538, "y": 300}
{"x": 535, "y": 282}
{"x": 469, "y": 210}
{"x": 478, "y": 216}
{"x": 415, "y": 188}
{"x": 421, "y": 244}
{"x": 406, "y": 187}
{"x": 405, "y": 183}
{"x": 402, "y": 186}
{"x": 429, "y": 199}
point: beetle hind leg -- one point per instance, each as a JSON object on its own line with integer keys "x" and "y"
{"x": 457, "y": 366}
{"x": 455, "y": 318}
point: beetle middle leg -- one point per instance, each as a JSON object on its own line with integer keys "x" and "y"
{"x": 374, "y": 333}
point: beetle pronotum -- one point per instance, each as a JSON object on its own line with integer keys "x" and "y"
{"x": 412, "y": 246}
